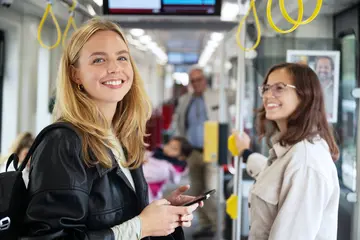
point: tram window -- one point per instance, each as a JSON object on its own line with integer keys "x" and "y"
{"x": 348, "y": 113}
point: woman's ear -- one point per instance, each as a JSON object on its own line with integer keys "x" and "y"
{"x": 74, "y": 75}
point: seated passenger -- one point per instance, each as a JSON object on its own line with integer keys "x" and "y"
{"x": 167, "y": 164}
{"x": 20, "y": 147}
{"x": 86, "y": 181}
{"x": 296, "y": 192}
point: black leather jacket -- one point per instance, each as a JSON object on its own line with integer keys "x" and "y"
{"x": 68, "y": 200}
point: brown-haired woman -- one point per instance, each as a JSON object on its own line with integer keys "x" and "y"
{"x": 296, "y": 193}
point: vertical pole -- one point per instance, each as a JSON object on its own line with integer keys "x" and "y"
{"x": 43, "y": 117}
{"x": 223, "y": 119}
{"x": 355, "y": 197}
{"x": 221, "y": 204}
{"x": 240, "y": 95}
{"x": 223, "y": 111}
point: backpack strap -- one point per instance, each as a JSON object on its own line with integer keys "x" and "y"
{"x": 14, "y": 158}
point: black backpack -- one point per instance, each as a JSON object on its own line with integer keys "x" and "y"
{"x": 13, "y": 193}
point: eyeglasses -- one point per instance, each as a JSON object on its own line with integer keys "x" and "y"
{"x": 276, "y": 89}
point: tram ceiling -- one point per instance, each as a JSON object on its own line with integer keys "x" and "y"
{"x": 190, "y": 34}
{"x": 182, "y": 40}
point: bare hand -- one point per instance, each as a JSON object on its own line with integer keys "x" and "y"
{"x": 176, "y": 198}
{"x": 160, "y": 218}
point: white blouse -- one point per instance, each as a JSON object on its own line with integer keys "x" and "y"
{"x": 131, "y": 229}
{"x": 120, "y": 157}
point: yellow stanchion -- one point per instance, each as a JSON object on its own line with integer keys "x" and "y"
{"x": 231, "y": 202}
{"x": 70, "y": 22}
{"x": 290, "y": 20}
{"x": 46, "y": 13}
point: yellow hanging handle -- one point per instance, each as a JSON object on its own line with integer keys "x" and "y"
{"x": 243, "y": 21}
{"x": 290, "y": 20}
{"x": 296, "y": 24}
{"x": 47, "y": 11}
{"x": 70, "y": 22}
{"x": 285, "y": 14}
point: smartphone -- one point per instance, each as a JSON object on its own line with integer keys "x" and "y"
{"x": 201, "y": 198}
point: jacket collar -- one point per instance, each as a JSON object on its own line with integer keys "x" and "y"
{"x": 102, "y": 170}
{"x": 278, "y": 150}
{"x": 140, "y": 184}
{"x": 137, "y": 174}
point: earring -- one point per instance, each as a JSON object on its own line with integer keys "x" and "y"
{"x": 80, "y": 87}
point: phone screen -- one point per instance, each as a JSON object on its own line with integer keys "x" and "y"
{"x": 201, "y": 198}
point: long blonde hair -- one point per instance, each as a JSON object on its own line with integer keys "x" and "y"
{"x": 76, "y": 107}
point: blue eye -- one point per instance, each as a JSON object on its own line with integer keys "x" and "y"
{"x": 122, "y": 58}
{"x": 98, "y": 60}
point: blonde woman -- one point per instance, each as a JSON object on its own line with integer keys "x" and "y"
{"x": 88, "y": 183}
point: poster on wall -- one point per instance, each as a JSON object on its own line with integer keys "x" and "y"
{"x": 326, "y": 64}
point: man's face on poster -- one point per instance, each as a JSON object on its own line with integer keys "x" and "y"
{"x": 324, "y": 71}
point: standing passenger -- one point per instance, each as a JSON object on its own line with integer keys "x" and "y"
{"x": 192, "y": 111}
{"x": 88, "y": 183}
{"x": 296, "y": 194}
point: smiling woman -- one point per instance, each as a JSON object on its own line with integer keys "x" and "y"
{"x": 86, "y": 182}
{"x": 296, "y": 193}
{"x": 103, "y": 72}
{"x": 282, "y": 100}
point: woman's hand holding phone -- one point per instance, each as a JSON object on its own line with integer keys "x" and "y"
{"x": 176, "y": 198}
{"x": 160, "y": 218}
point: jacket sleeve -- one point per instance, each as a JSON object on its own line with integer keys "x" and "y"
{"x": 175, "y": 120}
{"x": 255, "y": 162}
{"x": 59, "y": 189}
